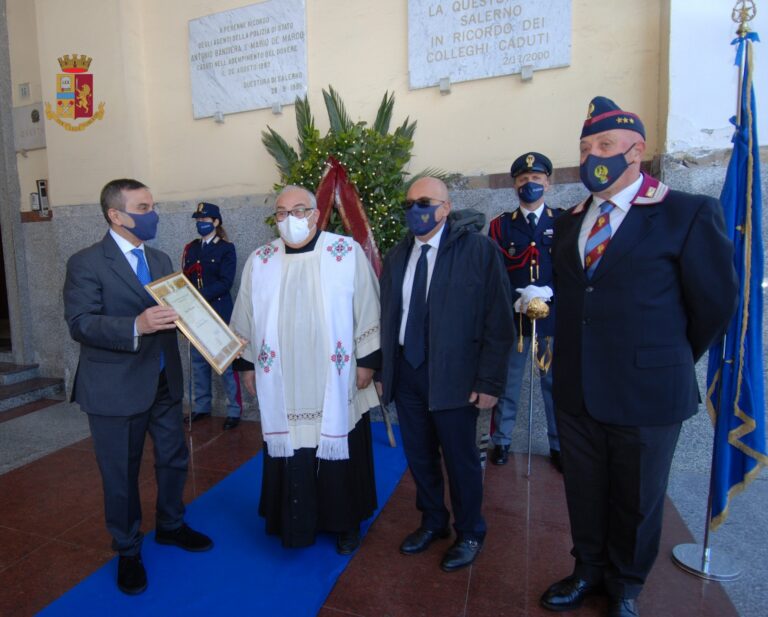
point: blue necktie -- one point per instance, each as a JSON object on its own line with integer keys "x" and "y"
{"x": 142, "y": 273}
{"x": 415, "y": 343}
{"x": 142, "y": 269}
{"x": 532, "y": 220}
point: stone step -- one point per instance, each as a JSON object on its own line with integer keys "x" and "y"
{"x": 14, "y": 373}
{"x": 15, "y": 394}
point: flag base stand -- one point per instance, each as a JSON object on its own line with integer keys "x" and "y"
{"x": 707, "y": 564}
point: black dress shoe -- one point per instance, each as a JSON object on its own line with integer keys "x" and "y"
{"x": 199, "y": 415}
{"x": 230, "y": 422}
{"x": 419, "y": 540}
{"x": 131, "y": 575}
{"x": 461, "y": 554}
{"x": 500, "y": 455}
{"x": 347, "y": 542}
{"x": 185, "y": 537}
{"x": 554, "y": 458}
{"x": 567, "y": 594}
{"x": 623, "y": 607}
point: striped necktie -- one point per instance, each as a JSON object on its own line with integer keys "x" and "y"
{"x": 599, "y": 237}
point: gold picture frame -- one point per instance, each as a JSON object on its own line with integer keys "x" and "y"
{"x": 203, "y": 326}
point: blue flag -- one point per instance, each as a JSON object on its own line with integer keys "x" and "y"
{"x": 735, "y": 387}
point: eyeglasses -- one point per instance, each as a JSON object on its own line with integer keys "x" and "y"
{"x": 424, "y": 202}
{"x": 299, "y": 213}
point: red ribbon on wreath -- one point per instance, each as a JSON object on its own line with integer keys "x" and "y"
{"x": 335, "y": 190}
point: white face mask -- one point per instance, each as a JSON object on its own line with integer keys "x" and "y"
{"x": 293, "y": 230}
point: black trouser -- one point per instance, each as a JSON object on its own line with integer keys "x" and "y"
{"x": 119, "y": 444}
{"x": 615, "y": 483}
{"x": 425, "y": 434}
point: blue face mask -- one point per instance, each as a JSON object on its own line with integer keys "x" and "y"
{"x": 145, "y": 227}
{"x": 421, "y": 219}
{"x": 599, "y": 173}
{"x": 204, "y": 228}
{"x": 530, "y": 192}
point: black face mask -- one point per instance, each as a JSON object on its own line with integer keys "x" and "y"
{"x": 599, "y": 173}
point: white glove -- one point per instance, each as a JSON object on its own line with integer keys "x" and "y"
{"x": 529, "y": 293}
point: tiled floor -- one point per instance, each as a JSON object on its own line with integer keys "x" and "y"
{"x": 52, "y": 535}
{"x": 526, "y": 549}
{"x": 52, "y": 532}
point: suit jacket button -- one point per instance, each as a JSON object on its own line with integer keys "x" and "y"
{"x": 589, "y": 289}
{"x": 585, "y": 321}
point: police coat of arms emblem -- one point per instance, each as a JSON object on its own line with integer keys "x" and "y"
{"x": 74, "y": 94}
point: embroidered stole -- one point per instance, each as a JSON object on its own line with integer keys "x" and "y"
{"x": 337, "y": 273}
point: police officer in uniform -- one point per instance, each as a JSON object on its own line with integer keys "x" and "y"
{"x": 210, "y": 262}
{"x": 525, "y": 237}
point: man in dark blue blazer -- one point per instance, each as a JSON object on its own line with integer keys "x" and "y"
{"x": 446, "y": 331}
{"x": 645, "y": 284}
{"x": 129, "y": 378}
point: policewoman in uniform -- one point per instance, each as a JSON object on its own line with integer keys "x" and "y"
{"x": 209, "y": 262}
{"x": 525, "y": 238}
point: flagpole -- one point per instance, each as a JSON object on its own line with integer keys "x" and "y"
{"x": 698, "y": 559}
{"x": 742, "y": 15}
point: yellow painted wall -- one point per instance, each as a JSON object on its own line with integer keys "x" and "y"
{"x": 25, "y": 68}
{"x": 141, "y": 71}
{"x": 109, "y": 31}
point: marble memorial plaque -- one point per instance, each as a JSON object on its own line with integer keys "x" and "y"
{"x": 248, "y": 58}
{"x": 472, "y": 39}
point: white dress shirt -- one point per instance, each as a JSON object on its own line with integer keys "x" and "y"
{"x": 623, "y": 202}
{"x": 410, "y": 271}
{"x": 126, "y": 248}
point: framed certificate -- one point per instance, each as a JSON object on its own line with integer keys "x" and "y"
{"x": 203, "y": 326}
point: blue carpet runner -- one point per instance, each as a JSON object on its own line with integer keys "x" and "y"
{"x": 246, "y": 573}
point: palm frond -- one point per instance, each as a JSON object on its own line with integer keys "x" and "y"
{"x": 285, "y": 156}
{"x": 406, "y": 129}
{"x": 429, "y": 172}
{"x": 384, "y": 115}
{"x": 305, "y": 123}
{"x": 337, "y": 113}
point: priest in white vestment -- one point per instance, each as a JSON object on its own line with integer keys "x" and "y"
{"x": 308, "y": 305}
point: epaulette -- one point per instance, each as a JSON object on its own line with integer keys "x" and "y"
{"x": 651, "y": 192}
{"x": 579, "y": 208}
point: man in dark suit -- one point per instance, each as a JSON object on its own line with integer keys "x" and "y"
{"x": 129, "y": 378}
{"x": 446, "y": 331}
{"x": 645, "y": 284}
